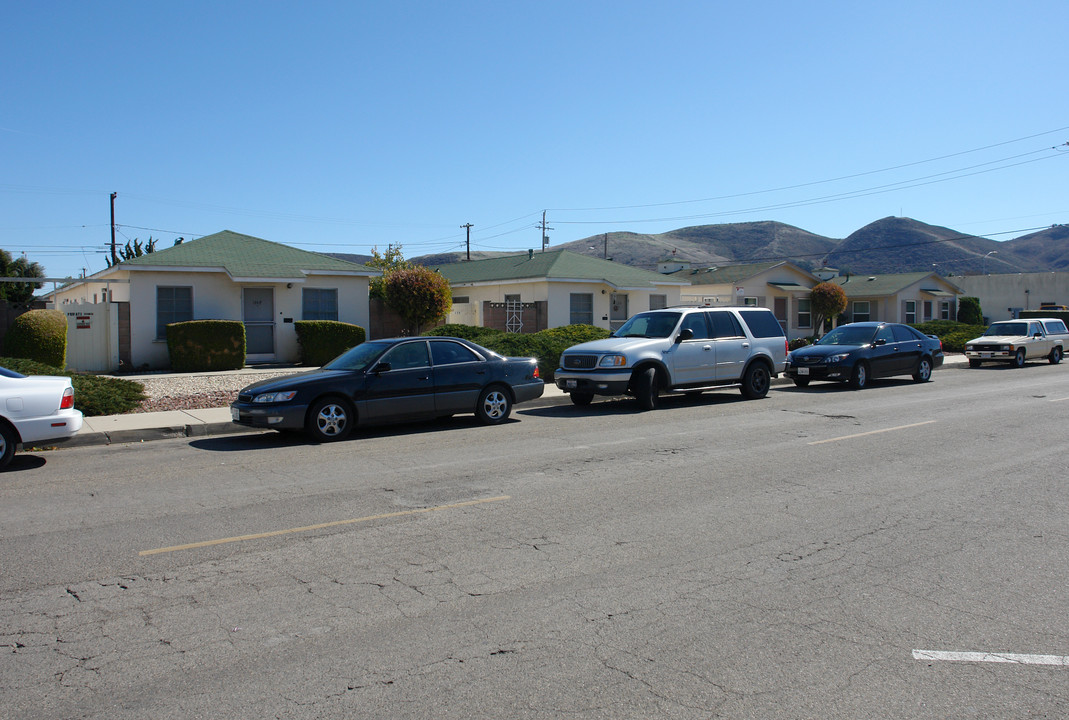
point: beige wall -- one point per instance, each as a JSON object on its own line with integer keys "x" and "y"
{"x": 999, "y": 293}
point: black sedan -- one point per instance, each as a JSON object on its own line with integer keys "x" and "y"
{"x": 859, "y": 352}
{"x": 393, "y": 380}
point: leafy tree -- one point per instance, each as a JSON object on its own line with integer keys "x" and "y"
{"x": 133, "y": 250}
{"x": 389, "y": 262}
{"x": 18, "y": 292}
{"x": 969, "y": 311}
{"x": 826, "y": 299}
{"x": 419, "y": 295}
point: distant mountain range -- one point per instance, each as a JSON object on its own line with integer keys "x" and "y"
{"x": 890, "y": 245}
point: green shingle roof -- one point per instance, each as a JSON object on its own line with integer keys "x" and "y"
{"x": 726, "y": 274}
{"x": 878, "y": 285}
{"x": 555, "y": 265}
{"x": 244, "y": 256}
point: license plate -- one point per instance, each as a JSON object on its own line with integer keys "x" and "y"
{"x": 803, "y": 371}
{"x": 570, "y": 384}
{"x": 985, "y": 354}
{"x": 234, "y": 414}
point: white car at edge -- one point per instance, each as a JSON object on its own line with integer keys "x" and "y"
{"x": 35, "y": 410}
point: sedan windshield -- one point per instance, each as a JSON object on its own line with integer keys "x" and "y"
{"x": 649, "y": 325}
{"x": 359, "y": 357}
{"x": 1008, "y": 328}
{"x": 847, "y": 335}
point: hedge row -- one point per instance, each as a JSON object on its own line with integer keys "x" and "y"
{"x": 546, "y": 345}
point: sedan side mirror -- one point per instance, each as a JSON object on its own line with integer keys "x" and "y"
{"x": 381, "y": 368}
{"x": 684, "y": 334}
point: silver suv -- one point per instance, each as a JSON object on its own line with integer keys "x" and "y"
{"x": 678, "y": 350}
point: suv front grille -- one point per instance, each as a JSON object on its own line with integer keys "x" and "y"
{"x": 580, "y": 362}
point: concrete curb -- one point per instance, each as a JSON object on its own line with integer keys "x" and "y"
{"x": 173, "y": 424}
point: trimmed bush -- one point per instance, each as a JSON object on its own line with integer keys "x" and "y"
{"x": 39, "y": 335}
{"x": 93, "y": 395}
{"x": 546, "y": 345}
{"x": 323, "y": 340}
{"x": 202, "y": 345}
{"x": 969, "y": 311}
{"x": 954, "y": 335}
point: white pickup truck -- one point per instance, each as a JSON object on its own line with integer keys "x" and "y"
{"x": 1018, "y": 341}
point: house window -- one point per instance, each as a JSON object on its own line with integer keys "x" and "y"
{"x": 319, "y": 304}
{"x": 460, "y": 299}
{"x": 861, "y": 311}
{"x": 911, "y": 312}
{"x": 944, "y": 310}
{"x": 582, "y": 309}
{"x": 173, "y": 304}
{"x": 750, "y": 302}
{"x": 658, "y": 301}
{"x": 805, "y": 314}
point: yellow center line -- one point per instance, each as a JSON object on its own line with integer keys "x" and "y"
{"x": 320, "y": 526}
{"x": 871, "y": 432}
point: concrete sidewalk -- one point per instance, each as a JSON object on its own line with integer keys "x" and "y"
{"x": 143, "y": 427}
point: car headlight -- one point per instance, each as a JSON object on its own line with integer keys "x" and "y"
{"x": 838, "y": 358}
{"x": 275, "y": 397}
{"x": 613, "y": 361}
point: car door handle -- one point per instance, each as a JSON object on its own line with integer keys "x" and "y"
{"x": 707, "y": 348}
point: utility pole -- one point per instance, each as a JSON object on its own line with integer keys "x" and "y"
{"x": 468, "y": 227}
{"x": 114, "y": 255}
{"x": 606, "y": 246}
{"x": 543, "y": 228}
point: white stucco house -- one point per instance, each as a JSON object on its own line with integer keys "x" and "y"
{"x": 224, "y": 276}
{"x": 539, "y": 290}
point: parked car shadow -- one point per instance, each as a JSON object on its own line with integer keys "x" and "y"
{"x": 23, "y": 462}
{"x": 622, "y": 405}
{"x": 837, "y": 387}
{"x": 260, "y": 440}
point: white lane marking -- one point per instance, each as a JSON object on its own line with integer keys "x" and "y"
{"x": 1017, "y": 658}
{"x": 1059, "y": 399}
{"x": 871, "y": 432}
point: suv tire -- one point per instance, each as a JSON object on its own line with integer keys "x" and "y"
{"x": 646, "y": 390}
{"x": 756, "y": 381}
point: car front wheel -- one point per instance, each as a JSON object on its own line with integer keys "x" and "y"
{"x": 860, "y": 377}
{"x": 494, "y": 406}
{"x": 329, "y": 419}
{"x": 924, "y": 371}
{"x": 1019, "y": 358}
{"x": 646, "y": 390}
{"x": 581, "y": 399}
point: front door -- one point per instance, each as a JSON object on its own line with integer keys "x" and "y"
{"x": 617, "y": 311}
{"x": 258, "y": 314}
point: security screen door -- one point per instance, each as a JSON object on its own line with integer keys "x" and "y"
{"x": 258, "y": 307}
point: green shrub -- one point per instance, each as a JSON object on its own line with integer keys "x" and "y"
{"x": 202, "y": 345}
{"x": 39, "y": 335}
{"x": 93, "y": 395}
{"x": 953, "y": 334}
{"x": 323, "y": 340}
{"x": 969, "y": 311}
{"x": 546, "y": 345}
{"x": 799, "y": 343}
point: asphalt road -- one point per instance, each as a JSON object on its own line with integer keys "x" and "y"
{"x": 896, "y": 552}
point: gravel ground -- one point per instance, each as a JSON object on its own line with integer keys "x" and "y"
{"x": 197, "y": 391}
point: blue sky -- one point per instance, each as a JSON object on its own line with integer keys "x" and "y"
{"x": 339, "y": 127}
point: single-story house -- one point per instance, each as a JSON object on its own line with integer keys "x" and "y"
{"x": 539, "y": 290}
{"x": 781, "y": 286}
{"x": 225, "y": 276}
{"x": 904, "y": 297}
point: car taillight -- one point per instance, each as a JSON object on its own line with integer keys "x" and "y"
{"x": 536, "y": 374}
{"x": 786, "y": 346}
{"x": 68, "y": 399}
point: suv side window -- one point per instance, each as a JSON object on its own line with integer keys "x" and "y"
{"x": 725, "y": 325}
{"x": 762, "y": 323}
{"x": 697, "y": 325}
